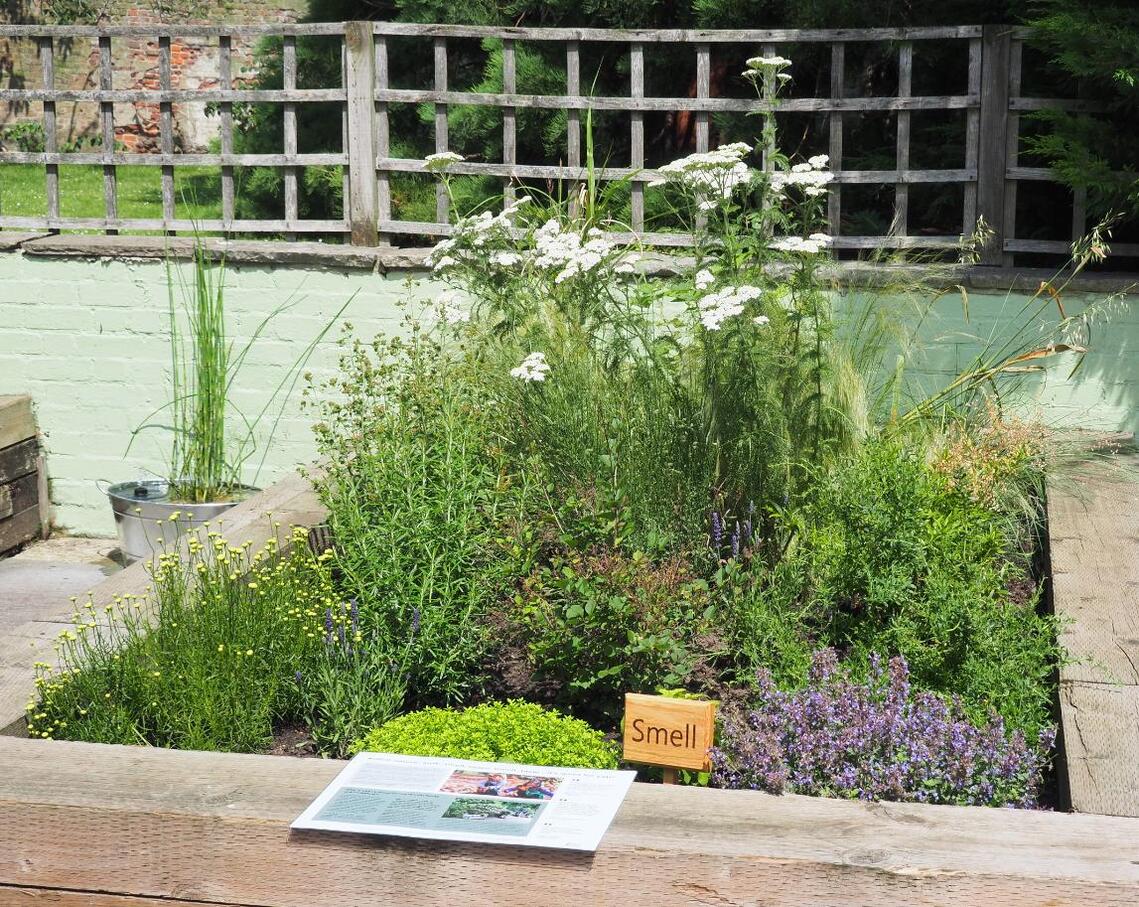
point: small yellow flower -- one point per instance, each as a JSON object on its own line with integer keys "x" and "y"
{"x": 221, "y": 646}
{"x": 248, "y": 651}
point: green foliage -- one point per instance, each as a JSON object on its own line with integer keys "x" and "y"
{"x": 888, "y": 558}
{"x": 494, "y": 732}
{"x": 210, "y": 664}
{"x": 600, "y": 622}
{"x": 416, "y": 483}
{"x": 1096, "y": 47}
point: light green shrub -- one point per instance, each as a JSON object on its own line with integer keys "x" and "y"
{"x": 494, "y": 732}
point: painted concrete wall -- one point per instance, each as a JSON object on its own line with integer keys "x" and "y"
{"x": 88, "y": 340}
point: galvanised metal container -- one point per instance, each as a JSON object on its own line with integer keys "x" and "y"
{"x": 146, "y": 518}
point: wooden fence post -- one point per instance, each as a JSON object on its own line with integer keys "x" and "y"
{"x": 992, "y": 137}
{"x": 360, "y": 86}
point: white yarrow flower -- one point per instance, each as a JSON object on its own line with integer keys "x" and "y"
{"x": 533, "y": 368}
{"x": 440, "y": 161}
{"x": 704, "y": 279}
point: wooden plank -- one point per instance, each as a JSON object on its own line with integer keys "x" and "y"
{"x": 838, "y": 89}
{"x": 442, "y": 202}
{"x": 383, "y": 136}
{"x": 509, "y": 117}
{"x": 107, "y": 131}
{"x": 19, "y": 528}
{"x": 573, "y": 102}
{"x": 225, "y": 110}
{"x": 43, "y": 496}
{"x": 1012, "y": 144}
{"x": 972, "y": 139}
{"x": 17, "y": 421}
{"x": 204, "y": 225}
{"x": 668, "y": 35}
{"x": 1063, "y": 246}
{"x": 360, "y": 83}
{"x": 703, "y": 92}
{"x": 289, "y": 83}
{"x": 87, "y": 818}
{"x": 900, "y": 225}
{"x": 132, "y": 159}
{"x": 573, "y": 116}
{"x": 171, "y": 29}
{"x": 1079, "y": 212}
{"x": 166, "y": 127}
{"x": 19, "y": 494}
{"x": 993, "y": 136}
{"x": 682, "y": 35}
{"x": 637, "y": 134}
{"x": 1094, "y": 543}
{"x": 551, "y": 171}
{"x": 174, "y": 95}
{"x": 42, "y": 897}
{"x": 18, "y": 460}
{"x": 51, "y": 138}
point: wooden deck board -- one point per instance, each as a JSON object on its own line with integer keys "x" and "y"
{"x": 213, "y": 828}
{"x": 1094, "y": 534}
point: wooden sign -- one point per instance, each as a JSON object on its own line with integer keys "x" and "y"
{"x": 676, "y": 733}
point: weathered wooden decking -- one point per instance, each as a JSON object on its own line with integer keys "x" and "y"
{"x": 1094, "y": 533}
{"x": 289, "y": 502}
{"x": 92, "y": 825}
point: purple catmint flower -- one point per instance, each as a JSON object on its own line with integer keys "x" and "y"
{"x": 298, "y": 677}
{"x": 340, "y": 635}
{"x": 354, "y": 610}
{"x": 328, "y": 626}
{"x": 717, "y": 531}
{"x": 747, "y": 531}
{"x": 736, "y": 541}
{"x": 415, "y": 617}
{"x": 876, "y": 739}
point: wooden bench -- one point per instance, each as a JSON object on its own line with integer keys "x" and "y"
{"x": 23, "y": 481}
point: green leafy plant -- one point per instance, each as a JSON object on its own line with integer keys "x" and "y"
{"x": 207, "y": 459}
{"x": 209, "y": 663}
{"x": 494, "y": 732}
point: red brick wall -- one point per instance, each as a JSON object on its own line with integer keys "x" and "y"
{"x": 194, "y": 64}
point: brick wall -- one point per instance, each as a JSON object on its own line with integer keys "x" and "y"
{"x": 194, "y": 64}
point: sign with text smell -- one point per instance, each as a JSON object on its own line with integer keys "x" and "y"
{"x": 676, "y": 733}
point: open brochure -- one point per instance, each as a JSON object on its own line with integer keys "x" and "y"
{"x": 461, "y": 800}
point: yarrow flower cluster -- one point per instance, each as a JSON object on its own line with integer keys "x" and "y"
{"x": 440, "y": 161}
{"x": 874, "y": 740}
{"x": 704, "y": 279}
{"x": 758, "y": 67}
{"x": 812, "y": 245}
{"x": 711, "y": 177}
{"x": 718, "y": 307}
{"x": 450, "y": 308}
{"x": 812, "y": 176}
{"x": 565, "y": 250}
{"x": 533, "y": 368}
{"x": 474, "y": 235}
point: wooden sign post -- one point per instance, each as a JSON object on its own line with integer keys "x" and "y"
{"x": 673, "y": 733}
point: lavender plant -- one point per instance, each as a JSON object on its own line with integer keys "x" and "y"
{"x": 875, "y": 740}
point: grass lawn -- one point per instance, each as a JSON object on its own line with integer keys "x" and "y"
{"x": 23, "y": 192}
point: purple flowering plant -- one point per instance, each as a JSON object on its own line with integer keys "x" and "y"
{"x": 876, "y": 739}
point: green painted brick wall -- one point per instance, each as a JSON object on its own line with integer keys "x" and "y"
{"x": 88, "y": 340}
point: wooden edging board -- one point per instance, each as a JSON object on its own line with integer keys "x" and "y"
{"x": 268, "y": 513}
{"x": 88, "y": 824}
{"x": 1093, "y": 529}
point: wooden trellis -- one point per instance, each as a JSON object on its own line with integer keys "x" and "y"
{"x": 992, "y": 103}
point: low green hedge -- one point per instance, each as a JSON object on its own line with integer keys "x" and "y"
{"x": 512, "y": 731}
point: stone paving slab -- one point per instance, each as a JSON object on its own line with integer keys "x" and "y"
{"x": 37, "y": 583}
